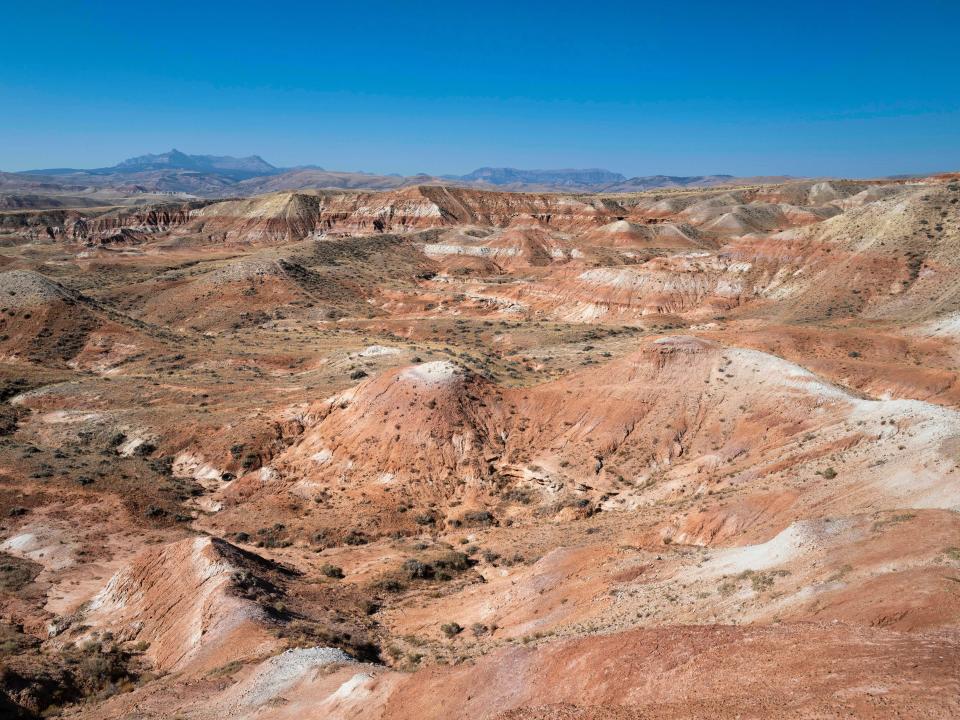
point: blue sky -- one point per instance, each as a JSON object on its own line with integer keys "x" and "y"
{"x": 810, "y": 88}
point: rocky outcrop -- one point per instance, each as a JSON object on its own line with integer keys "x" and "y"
{"x": 93, "y": 227}
{"x": 194, "y": 602}
{"x": 145, "y": 221}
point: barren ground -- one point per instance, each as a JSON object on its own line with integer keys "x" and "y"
{"x": 447, "y": 453}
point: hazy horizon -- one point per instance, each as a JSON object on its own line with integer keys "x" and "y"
{"x": 556, "y": 168}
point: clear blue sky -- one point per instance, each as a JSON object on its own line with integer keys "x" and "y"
{"x": 806, "y": 88}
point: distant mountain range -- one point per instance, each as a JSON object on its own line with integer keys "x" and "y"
{"x": 591, "y": 180}
{"x": 565, "y": 178}
{"x": 175, "y": 172}
{"x": 239, "y": 168}
{"x": 253, "y": 165}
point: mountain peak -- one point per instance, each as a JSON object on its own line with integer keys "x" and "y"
{"x": 176, "y": 160}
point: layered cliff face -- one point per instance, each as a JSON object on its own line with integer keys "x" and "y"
{"x": 40, "y": 224}
{"x": 147, "y": 221}
{"x": 715, "y": 213}
{"x": 288, "y": 216}
{"x": 283, "y": 217}
{"x": 97, "y": 226}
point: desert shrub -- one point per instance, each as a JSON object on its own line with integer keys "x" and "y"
{"x": 491, "y": 556}
{"x": 451, "y": 629}
{"x": 479, "y": 629}
{"x": 524, "y": 496}
{"x": 226, "y": 670}
{"x": 478, "y": 517}
{"x": 451, "y": 560}
{"x": 353, "y": 640}
{"x": 162, "y": 465}
{"x": 98, "y": 668}
{"x": 895, "y": 519}
{"x": 332, "y": 571}
{"x": 355, "y": 537}
{"x": 761, "y": 581}
{"x": 417, "y": 569}
{"x": 16, "y": 573}
{"x": 389, "y": 584}
{"x": 144, "y": 449}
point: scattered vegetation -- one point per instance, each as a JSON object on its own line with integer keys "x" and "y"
{"x": 888, "y": 522}
{"x": 16, "y": 573}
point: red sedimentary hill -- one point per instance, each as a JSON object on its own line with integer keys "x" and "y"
{"x": 679, "y": 418}
{"x": 45, "y": 323}
{"x": 193, "y": 603}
